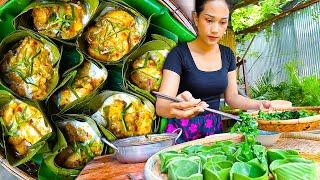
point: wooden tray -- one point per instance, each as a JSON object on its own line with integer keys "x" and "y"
{"x": 307, "y": 144}
{"x": 292, "y": 125}
{"x": 107, "y": 167}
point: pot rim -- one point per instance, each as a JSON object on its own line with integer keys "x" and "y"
{"x": 127, "y": 142}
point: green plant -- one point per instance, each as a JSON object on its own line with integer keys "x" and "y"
{"x": 250, "y": 15}
{"x": 301, "y": 91}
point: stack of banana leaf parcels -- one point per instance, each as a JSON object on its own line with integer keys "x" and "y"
{"x": 55, "y": 105}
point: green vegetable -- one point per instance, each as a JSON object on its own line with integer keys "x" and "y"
{"x": 284, "y": 115}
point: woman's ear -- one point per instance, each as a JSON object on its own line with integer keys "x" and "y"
{"x": 195, "y": 18}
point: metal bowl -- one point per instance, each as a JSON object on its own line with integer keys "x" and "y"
{"x": 140, "y": 148}
{"x": 268, "y": 138}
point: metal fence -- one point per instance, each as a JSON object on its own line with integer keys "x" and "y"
{"x": 294, "y": 37}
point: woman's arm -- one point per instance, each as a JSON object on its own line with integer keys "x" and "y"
{"x": 187, "y": 109}
{"x": 235, "y": 100}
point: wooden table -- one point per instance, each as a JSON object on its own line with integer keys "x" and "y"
{"x": 107, "y": 167}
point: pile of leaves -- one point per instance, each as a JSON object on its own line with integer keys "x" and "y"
{"x": 301, "y": 91}
{"x": 285, "y": 115}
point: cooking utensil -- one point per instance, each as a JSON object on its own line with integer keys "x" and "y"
{"x": 140, "y": 148}
{"x": 163, "y": 96}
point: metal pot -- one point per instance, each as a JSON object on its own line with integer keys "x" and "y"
{"x": 140, "y": 148}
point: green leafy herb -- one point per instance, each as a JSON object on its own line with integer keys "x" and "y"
{"x": 285, "y": 115}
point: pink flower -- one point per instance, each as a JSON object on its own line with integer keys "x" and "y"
{"x": 193, "y": 128}
{"x": 170, "y": 128}
{"x": 184, "y": 122}
{"x": 208, "y": 123}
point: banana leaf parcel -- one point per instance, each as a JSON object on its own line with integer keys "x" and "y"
{"x": 123, "y": 114}
{"x": 115, "y": 32}
{"x": 63, "y": 21}
{"x": 78, "y": 141}
{"x": 143, "y": 69}
{"x": 29, "y": 64}
{"x": 25, "y": 128}
{"x": 79, "y": 86}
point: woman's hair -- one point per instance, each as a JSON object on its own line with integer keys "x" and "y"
{"x": 199, "y": 5}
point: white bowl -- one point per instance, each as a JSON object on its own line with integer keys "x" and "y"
{"x": 268, "y": 138}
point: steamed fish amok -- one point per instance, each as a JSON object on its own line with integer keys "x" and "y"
{"x": 28, "y": 69}
{"x": 25, "y": 125}
{"x": 89, "y": 77}
{"x": 147, "y": 70}
{"x": 125, "y": 115}
{"x": 113, "y": 36}
{"x": 83, "y": 144}
{"x": 61, "y": 20}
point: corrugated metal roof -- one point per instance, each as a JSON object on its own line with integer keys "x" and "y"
{"x": 295, "y": 37}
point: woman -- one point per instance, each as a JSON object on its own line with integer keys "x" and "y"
{"x": 199, "y": 72}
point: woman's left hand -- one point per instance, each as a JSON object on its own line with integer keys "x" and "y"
{"x": 264, "y": 105}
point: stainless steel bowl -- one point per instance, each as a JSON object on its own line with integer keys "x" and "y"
{"x": 140, "y": 148}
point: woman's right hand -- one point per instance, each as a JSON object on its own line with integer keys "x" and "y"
{"x": 190, "y": 107}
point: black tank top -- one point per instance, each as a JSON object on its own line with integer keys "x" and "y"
{"x": 206, "y": 85}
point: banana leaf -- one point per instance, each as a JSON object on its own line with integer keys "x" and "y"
{"x": 85, "y": 144}
{"x": 248, "y": 171}
{"x": 294, "y": 169}
{"x": 7, "y": 45}
{"x": 108, "y": 51}
{"x": 275, "y": 154}
{"x": 128, "y": 102}
{"x": 74, "y": 86}
{"x": 185, "y": 169}
{"x": 71, "y": 59}
{"x": 147, "y": 82}
{"x": 13, "y": 129}
{"x": 166, "y": 157}
{"x": 218, "y": 171}
{"x": 155, "y": 29}
{"x": 56, "y": 25}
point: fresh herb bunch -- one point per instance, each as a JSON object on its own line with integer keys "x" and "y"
{"x": 284, "y": 115}
{"x": 248, "y": 127}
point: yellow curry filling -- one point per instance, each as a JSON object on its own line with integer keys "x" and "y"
{"x": 87, "y": 80}
{"x": 25, "y": 124}
{"x": 113, "y": 36}
{"x": 60, "y": 21}
{"x": 126, "y": 120}
{"x": 28, "y": 69}
{"x": 84, "y": 144}
{"x": 147, "y": 70}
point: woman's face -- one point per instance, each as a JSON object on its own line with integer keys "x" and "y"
{"x": 212, "y": 22}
